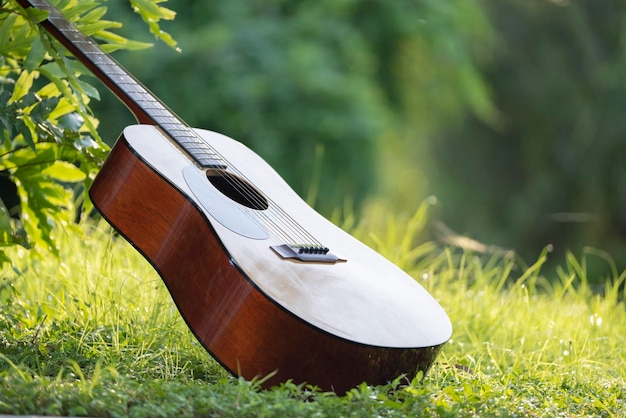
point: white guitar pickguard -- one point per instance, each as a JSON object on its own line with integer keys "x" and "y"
{"x": 225, "y": 211}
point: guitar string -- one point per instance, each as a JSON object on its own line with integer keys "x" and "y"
{"x": 284, "y": 229}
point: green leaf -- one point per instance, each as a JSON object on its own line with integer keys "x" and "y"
{"x": 76, "y": 9}
{"x": 89, "y": 90}
{"x": 22, "y": 85}
{"x": 5, "y": 218}
{"x": 151, "y": 13}
{"x": 115, "y": 42}
{"x": 45, "y": 153}
{"x": 16, "y": 37}
{"x": 150, "y": 10}
{"x": 96, "y": 15}
{"x": 27, "y": 100}
{"x": 35, "y": 56}
{"x": 36, "y": 15}
{"x": 42, "y": 110}
{"x": 23, "y": 129}
{"x": 64, "y": 171}
{"x": 127, "y": 45}
{"x": 5, "y": 32}
{"x": 71, "y": 121}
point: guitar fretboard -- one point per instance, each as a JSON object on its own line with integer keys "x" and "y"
{"x": 144, "y": 105}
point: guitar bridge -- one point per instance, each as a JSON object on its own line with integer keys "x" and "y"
{"x": 306, "y": 253}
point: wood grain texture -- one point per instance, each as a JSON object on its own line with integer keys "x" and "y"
{"x": 247, "y": 332}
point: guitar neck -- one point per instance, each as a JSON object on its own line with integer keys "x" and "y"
{"x": 144, "y": 105}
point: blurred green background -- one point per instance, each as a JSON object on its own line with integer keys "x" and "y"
{"x": 509, "y": 112}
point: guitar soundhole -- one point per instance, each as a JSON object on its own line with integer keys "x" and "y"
{"x": 237, "y": 189}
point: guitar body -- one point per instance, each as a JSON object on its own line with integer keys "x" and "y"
{"x": 332, "y": 323}
{"x": 267, "y": 285}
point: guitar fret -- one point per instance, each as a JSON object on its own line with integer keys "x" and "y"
{"x": 111, "y": 69}
{"x": 84, "y": 46}
{"x": 123, "y": 78}
{"x": 200, "y": 146}
{"x": 188, "y": 134}
{"x": 167, "y": 120}
{"x": 154, "y": 113}
{"x": 170, "y": 121}
{"x": 175, "y": 133}
{"x": 134, "y": 88}
{"x": 182, "y": 138}
{"x": 210, "y": 163}
{"x": 73, "y": 35}
{"x": 149, "y": 104}
{"x": 195, "y": 144}
{"x": 203, "y": 153}
{"x": 174, "y": 127}
{"x": 187, "y": 140}
{"x": 55, "y": 17}
{"x": 100, "y": 58}
{"x": 199, "y": 150}
{"x": 139, "y": 96}
{"x": 102, "y": 61}
{"x": 190, "y": 140}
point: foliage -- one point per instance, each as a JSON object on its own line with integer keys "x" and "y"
{"x": 548, "y": 170}
{"x": 318, "y": 101}
{"x": 50, "y": 149}
{"x": 316, "y": 88}
{"x": 97, "y": 334}
{"x": 513, "y": 120}
{"x": 508, "y": 111}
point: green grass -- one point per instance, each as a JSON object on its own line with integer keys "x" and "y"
{"x": 95, "y": 333}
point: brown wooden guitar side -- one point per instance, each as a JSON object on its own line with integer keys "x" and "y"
{"x": 246, "y": 331}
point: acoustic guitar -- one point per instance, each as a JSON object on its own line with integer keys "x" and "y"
{"x": 269, "y": 287}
